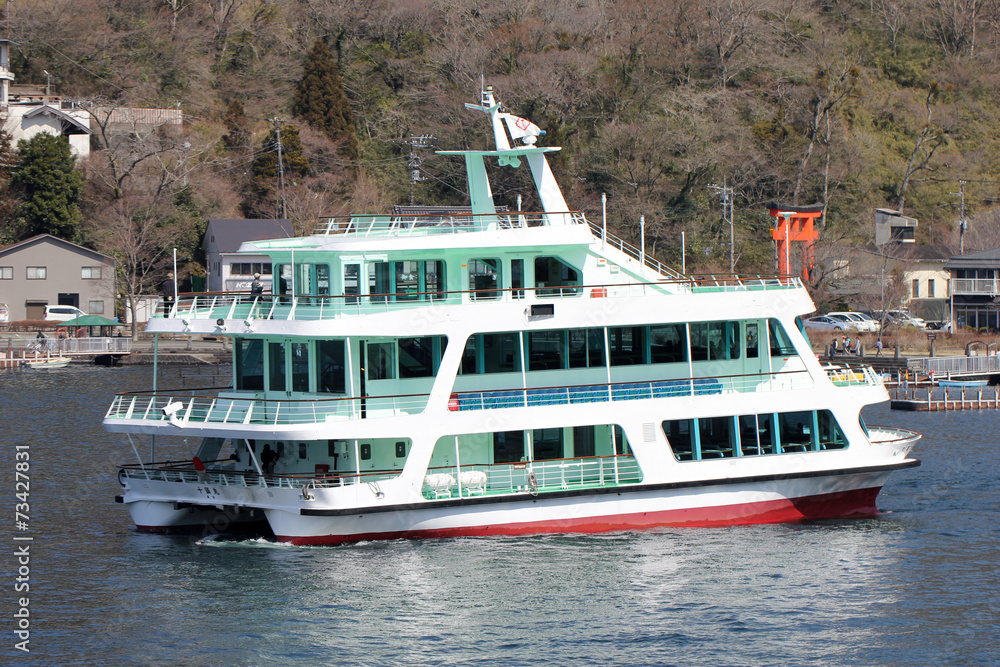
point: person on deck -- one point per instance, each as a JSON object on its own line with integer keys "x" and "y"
{"x": 256, "y": 287}
{"x": 167, "y": 289}
{"x": 268, "y": 458}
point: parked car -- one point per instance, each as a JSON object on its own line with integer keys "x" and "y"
{"x": 851, "y": 321}
{"x": 61, "y": 313}
{"x": 873, "y": 323}
{"x": 904, "y": 319}
{"x": 4, "y": 313}
{"x": 822, "y": 323}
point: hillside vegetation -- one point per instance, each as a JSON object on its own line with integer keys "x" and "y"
{"x": 854, "y": 105}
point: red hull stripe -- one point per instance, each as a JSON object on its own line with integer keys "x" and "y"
{"x": 858, "y": 502}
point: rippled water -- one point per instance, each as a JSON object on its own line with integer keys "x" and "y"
{"x": 918, "y": 585}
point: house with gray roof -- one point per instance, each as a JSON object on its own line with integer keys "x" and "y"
{"x": 229, "y": 272}
{"x": 46, "y": 270}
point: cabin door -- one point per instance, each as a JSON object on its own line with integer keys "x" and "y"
{"x": 755, "y": 348}
{"x": 288, "y": 367}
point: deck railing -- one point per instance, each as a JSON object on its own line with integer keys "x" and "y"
{"x": 531, "y": 476}
{"x": 456, "y": 223}
{"x": 185, "y": 472}
{"x": 943, "y": 367}
{"x": 174, "y": 408}
{"x": 844, "y": 375}
{"x": 188, "y": 409}
{"x": 440, "y": 482}
{"x": 242, "y": 306}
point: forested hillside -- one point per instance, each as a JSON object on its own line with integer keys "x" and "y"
{"x": 854, "y": 105}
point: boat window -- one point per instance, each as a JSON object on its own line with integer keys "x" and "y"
{"x": 508, "y": 446}
{"x": 553, "y": 277}
{"x": 484, "y": 279}
{"x": 276, "y": 366}
{"x": 756, "y": 434}
{"x": 709, "y": 438}
{"x": 351, "y": 286}
{"x": 379, "y": 281}
{"x": 419, "y": 357}
{"x": 627, "y": 345}
{"x": 584, "y": 440}
{"x": 781, "y": 344}
{"x": 331, "y": 377}
{"x": 586, "y": 348}
{"x": 300, "y": 366}
{"x": 434, "y": 280}
{"x": 752, "y": 340}
{"x": 407, "y": 278}
{"x": 680, "y": 437}
{"x": 545, "y": 350}
{"x": 546, "y": 443}
{"x": 795, "y": 431}
{"x": 249, "y": 363}
{"x": 501, "y": 353}
{"x": 517, "y": 278}
{"x": 716, "y": 437}
{"x": 830, "y": 435}
{"x": 381, "y": 361}
{"x": 713, "y": 341}
{"x": 667, "y": 343}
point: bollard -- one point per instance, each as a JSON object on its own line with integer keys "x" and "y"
{"x": 896, "y": 354}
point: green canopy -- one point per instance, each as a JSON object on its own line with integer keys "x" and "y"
{"x": 90, "y": 321}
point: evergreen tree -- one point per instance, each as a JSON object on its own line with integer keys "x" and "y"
{"x": 264, "y": 170}
{"x": 50, "y": 185}
{"x": 319, "y": 100}
{"x": 236, "y": 122}
{"x": 11, "y": 227}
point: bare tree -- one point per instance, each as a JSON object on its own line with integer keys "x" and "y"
{"x": 928, "y": 141}
{"x": 732, "y": 29}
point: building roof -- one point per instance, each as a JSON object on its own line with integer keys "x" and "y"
{"x": 230, "y": 233}
{"x": 983, "y": 259}
{"x": 70, "y": 125}
{"x": 13, "y": 247}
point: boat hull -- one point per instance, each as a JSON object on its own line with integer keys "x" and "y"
{"x": 169, "y": 517}
{"x": 774, "y": 501}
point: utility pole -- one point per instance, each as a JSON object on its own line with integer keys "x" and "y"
{"x": 281, "y": 169}
{"x": 414, "y": 160}
{"x": 727, "y": 198}
{"x": 962, "y": 224}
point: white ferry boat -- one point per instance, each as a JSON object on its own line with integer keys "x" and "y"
{"x": 485, "y": 371}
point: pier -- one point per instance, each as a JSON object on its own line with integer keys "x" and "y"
{"x": 946, "y": 399}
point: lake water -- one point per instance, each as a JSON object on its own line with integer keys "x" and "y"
{"x": 918, "y": 585}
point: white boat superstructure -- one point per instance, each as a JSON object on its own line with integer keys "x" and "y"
{"x": 479, "y": 371}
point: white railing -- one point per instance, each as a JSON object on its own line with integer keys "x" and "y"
{"x": 241, "y": 306}
{"x": 846, "y": 375}
{"x": 419, "y": 225}
{"x": 881, "y": 435}
{"x": 633, "y": 252}
{"x": 183, "y": 411}
{"x": 630, "y": 391}
{"x": 185, "y": 473}
{"x": 531, "y": 476}
{"x": 942, "y": 367}
{"x": 989, "y": 286}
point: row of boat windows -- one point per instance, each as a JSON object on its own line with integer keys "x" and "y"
{"x": 320, "y": 366}
{"x": 621, "y": 346}
{"x": 413, "y": 280}
{"x": 753, "y": 435}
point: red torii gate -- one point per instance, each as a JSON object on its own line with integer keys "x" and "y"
{"x": 795, "y": 223}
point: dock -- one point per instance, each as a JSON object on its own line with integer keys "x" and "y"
{"x": 943, "y": 400}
